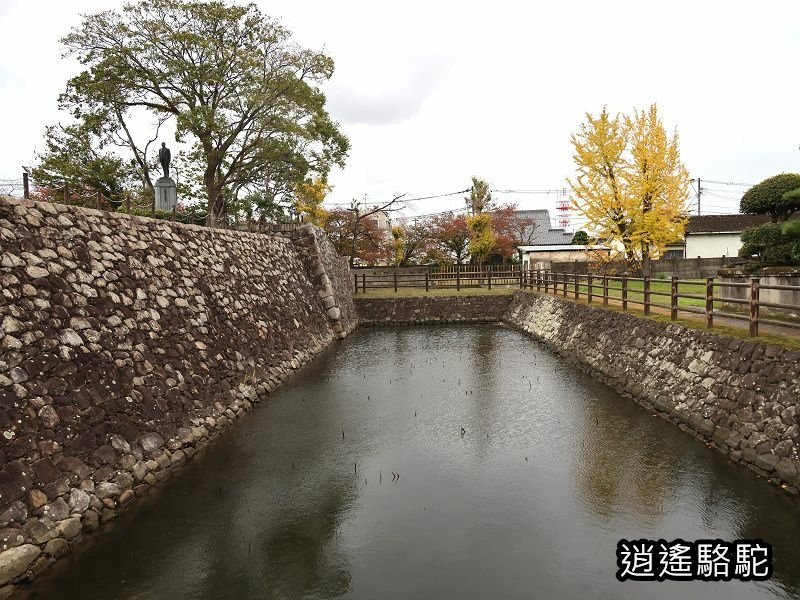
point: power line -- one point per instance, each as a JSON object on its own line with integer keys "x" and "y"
{"x": 729, "y": 183}
{"x": 404, "y": 200}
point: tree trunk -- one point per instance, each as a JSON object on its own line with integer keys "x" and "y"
{"x": 216, "y": 204}
{"x": 354, "y": 245}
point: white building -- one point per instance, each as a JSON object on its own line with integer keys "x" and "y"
{"x": 543, "y": 256}
{"x": 714, "y": 236}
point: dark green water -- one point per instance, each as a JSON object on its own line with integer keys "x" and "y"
{"x": 552, "y": 471}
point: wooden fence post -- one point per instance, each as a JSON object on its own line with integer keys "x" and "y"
{"x": 673, "y": 298}
{"x": 395, "y": 279}
{"x": 624, "y": 291}
{"x": 565, "y": 284}
{"x": 538, "y": 280}
{"x": 355, "y": 275}
{"x": 521, "y": 285}
{"x": 489, "y": 276}
{"x": 364, "y": 283}
{"x": 427, "y": 286}
{"x": 754, "y": 293}
{"x": 709, "y": 302}
{"x": 605, "y": 289}
{"x": 588, "y": 288}
{"x": 546, "y": 280}
{"x": 577, "y": 290}
{"x": 458, "y": 277}
{"x": 646, "y": 295}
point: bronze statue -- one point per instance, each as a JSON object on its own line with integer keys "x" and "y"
{"x": 164, "y": 157}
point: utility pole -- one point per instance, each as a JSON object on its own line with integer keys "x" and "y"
{"x": 699, "y": 193}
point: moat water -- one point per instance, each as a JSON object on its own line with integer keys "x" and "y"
{"x": 301, "y": 498}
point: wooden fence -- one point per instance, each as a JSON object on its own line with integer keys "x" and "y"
{"x": 449, "y": 278}
{"x": 602, "y": 287}
{"x": 666, "y": 294}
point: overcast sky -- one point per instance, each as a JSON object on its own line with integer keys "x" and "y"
{"x": 430, "y": 93}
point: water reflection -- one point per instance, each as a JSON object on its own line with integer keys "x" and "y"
{"x": 552, "y": 469}
{"x": 633, "y": 474}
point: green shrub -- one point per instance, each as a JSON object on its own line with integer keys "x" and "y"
{"x": 768, "y": 244}
{"x": 774, "y": 196}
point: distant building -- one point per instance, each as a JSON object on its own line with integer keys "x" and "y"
{"x": 382, "y": 222}
{"x": 542, "y": 244}
{"x": 542, "y": 233}
{"x": 713, "y": 236}
{"x": 542, "y": 257}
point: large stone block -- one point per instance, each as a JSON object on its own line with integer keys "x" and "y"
{"x": 15, "y": 561}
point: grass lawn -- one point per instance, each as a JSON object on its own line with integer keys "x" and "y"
{"x": 636, "y": 291}
{"x": 614, "y": 291}
{"x": 699, "y": 323}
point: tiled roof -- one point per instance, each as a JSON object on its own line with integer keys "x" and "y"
{"x": 544, "y": 234}
{"x": 721, "y": 223}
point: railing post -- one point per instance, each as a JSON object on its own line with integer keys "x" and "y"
{"x": 577, "y": 291}
{"x": 709, "y": 302}
{"x": 646, "y": 295}
{"x": 588, "y": 288}
{"x": 521, "y": 284}
{"x": 546, "y": 281}
{"x": 565, "y": 284}
{"x": 427, "y": 287}
{"x": 395, "y": 280}
{"x": 754, "y": 293}
{"x": 624, "y": 291}
{"x": 605, "y": 289}
{"x": 489, "y": 276}
{"x": 364, "y": 283}
{"x": 538, "y": 280}
{"x": 673, "y": 298}
{"x": 355, "y": 275}
{"x": 458, "y": 277}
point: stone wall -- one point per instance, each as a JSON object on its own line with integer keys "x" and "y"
{"x": 742, "y": 396}
{"x": 126, "y": 342}
{"x": 330, "y": 272}
{"x": 431, "y": 309}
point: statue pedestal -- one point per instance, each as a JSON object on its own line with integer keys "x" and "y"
{"x": 166, "y": 194}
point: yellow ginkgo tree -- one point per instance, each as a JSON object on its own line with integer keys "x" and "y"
{"x": 308, "y": 198}
{"x": 481, "y": 236}
{"x": 630, "y": 185}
